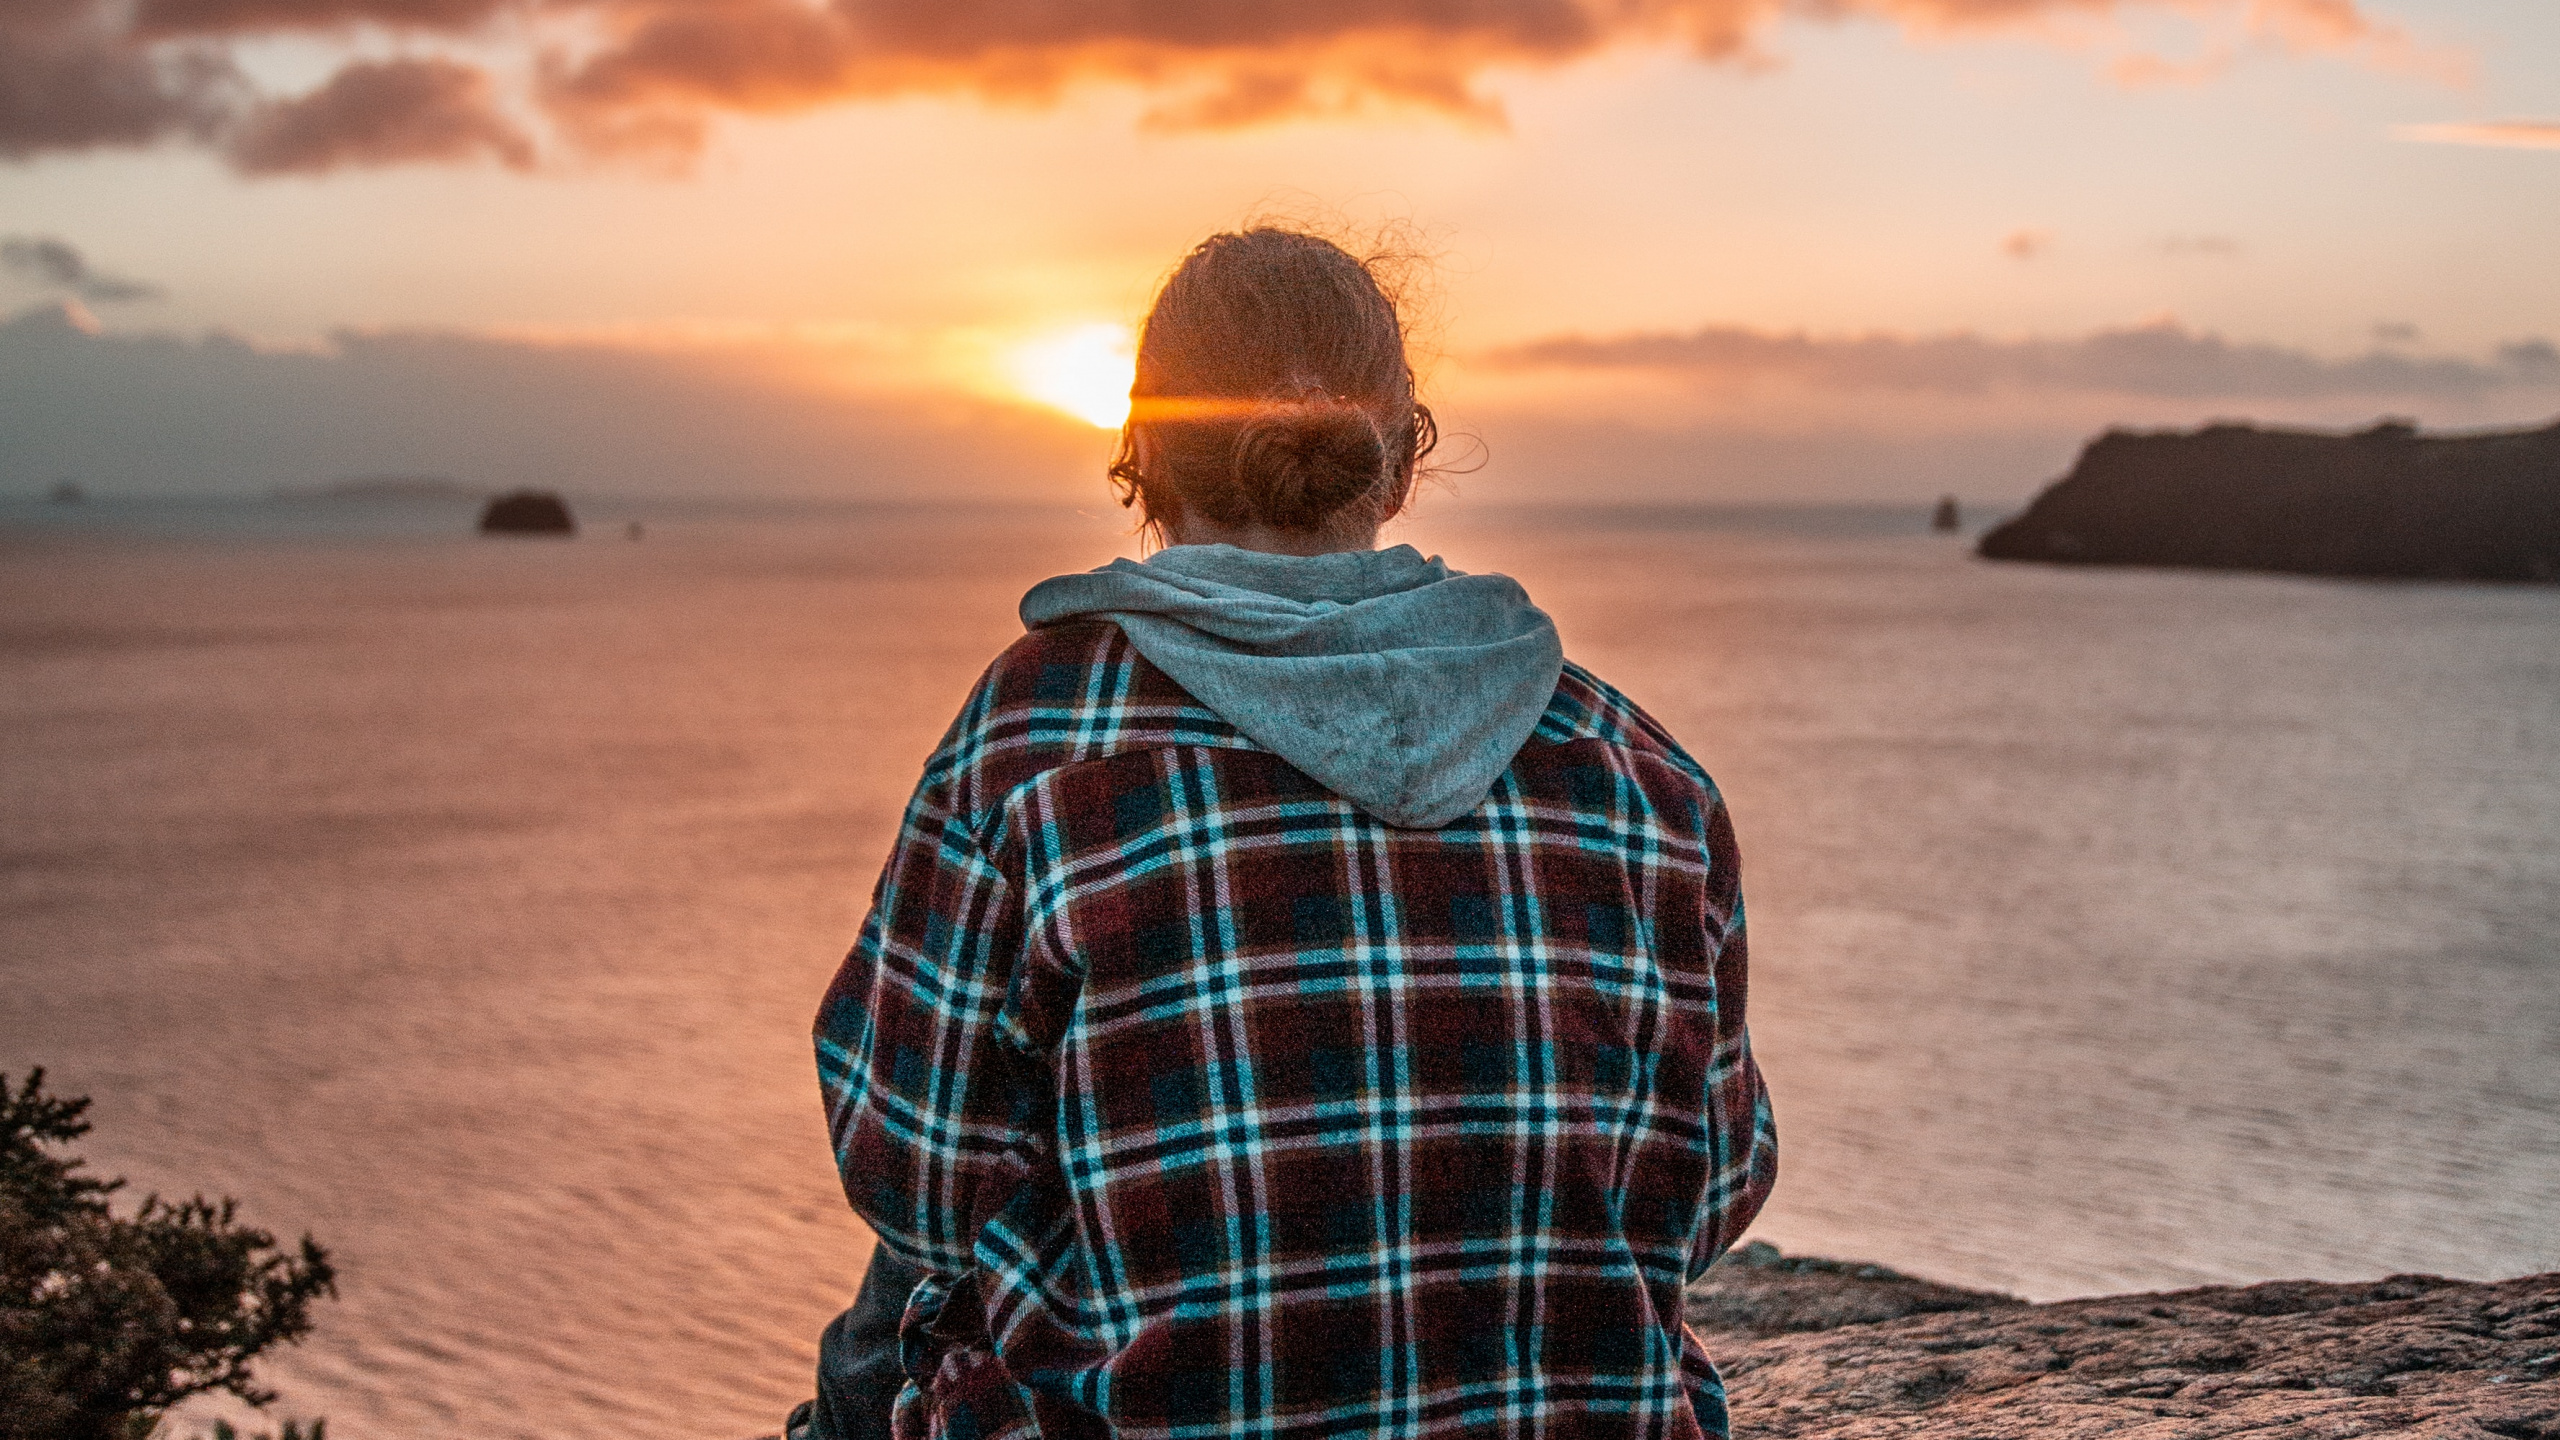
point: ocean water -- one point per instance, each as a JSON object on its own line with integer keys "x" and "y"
{"x": 466, "y": 902}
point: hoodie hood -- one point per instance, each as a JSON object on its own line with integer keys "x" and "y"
{"x": 1399, "y": 684}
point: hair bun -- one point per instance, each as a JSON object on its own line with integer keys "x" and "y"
{"x": 1300, "y": 461}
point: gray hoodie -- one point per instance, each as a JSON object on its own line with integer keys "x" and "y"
{"x": 1399, "y": 684}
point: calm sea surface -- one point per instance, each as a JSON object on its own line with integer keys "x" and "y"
{"x": 466, "y": 902}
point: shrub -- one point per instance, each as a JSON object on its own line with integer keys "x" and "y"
{"x": 107, "y": 1321}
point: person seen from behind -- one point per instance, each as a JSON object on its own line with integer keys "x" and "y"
{"x": 1300, "y": 1002}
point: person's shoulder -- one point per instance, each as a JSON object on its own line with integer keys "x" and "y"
{"x": 1064, "y": 693}
{"x": 1051, "y": 665}
{"x": 1586, "y": 707}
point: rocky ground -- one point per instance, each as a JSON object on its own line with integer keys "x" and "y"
{"x": 1832, "y": 1350}
{"x": 1856, "y": 1352}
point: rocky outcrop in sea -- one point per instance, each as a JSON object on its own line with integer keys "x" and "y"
{"x": 1819, "y": 1348}
{"x": 2384, "y": 502}
{"x": 527, "y": 512}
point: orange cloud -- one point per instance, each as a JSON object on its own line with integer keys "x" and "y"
{"x": 2026, "y": 244}
{"x": 2503, "y": 134}
{"x": 1211, "y": 65}
{"x": 651, "y": 75}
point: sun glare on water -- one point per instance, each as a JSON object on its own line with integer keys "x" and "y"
{"x": 1084, "y": 371}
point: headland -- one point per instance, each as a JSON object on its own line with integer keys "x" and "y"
{"x": 2384, "y": 502}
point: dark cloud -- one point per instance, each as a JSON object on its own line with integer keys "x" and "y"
{"x": 381, "y": 113}
{"x": 2025, "y": 244}
{"x": 652, "y": 74}
{"x": 153, "y": 19}
{"x": 2159, "y": 361}
{"x": 71, "y": 79}
{"x": 54, "y": 264}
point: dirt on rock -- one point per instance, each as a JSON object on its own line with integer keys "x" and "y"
{"x": 1846, "y": 1352}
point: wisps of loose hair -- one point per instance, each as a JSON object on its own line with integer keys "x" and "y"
{"x": 1275, "y": 384}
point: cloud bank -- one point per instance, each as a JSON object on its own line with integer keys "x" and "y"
{"x": 514, "y": 81}
{"x": 2166, "y": 361}
{"x": 1739, "y": 415}
{"x": 157, "y": 414}
{"x": 381, "y": 113}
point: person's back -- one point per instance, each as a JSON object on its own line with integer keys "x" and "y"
{"x": 1299, "y": 1002}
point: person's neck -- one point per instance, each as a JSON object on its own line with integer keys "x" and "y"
{"x": 1344, "y": 534}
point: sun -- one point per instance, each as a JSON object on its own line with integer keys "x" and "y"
{"x": 1085, "y": 371}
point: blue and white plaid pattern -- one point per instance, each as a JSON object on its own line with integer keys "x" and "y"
{"x": 1216, "y": 1107}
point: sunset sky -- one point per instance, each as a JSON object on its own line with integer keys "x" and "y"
{"x": 1709, "y": 249}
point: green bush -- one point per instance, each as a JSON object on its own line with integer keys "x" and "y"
{"x": 107, "y": 1321}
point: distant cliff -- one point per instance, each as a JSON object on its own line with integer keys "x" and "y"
{"x": 2383, "y": 502}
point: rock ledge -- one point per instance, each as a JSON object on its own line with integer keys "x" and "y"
{"x": 2413, "y": 1355}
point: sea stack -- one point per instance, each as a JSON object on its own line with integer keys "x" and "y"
{"x": 527, "y": 512}
{"x": 2384, "y": 502}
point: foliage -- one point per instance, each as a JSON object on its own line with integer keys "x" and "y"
{"x": 107, "y": 1321}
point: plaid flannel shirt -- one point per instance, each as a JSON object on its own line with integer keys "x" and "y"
{"x": 1215, "y": 1107}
